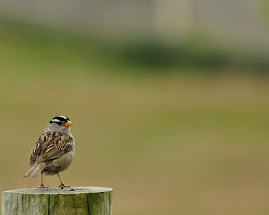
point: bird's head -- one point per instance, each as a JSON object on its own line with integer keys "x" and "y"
{"x": 60, "y": 123}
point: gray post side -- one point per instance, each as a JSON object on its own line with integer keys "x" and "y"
{"x": 48, "y": 201}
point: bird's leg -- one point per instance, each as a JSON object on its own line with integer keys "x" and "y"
{"x": 42, "y": 185}
{"x": 62, "y": 184}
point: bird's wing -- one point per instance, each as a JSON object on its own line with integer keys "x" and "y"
{"x": 49, "y": 146}
{"x": 36, "y": 150}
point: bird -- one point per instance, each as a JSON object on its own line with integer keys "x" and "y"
{"x": 54, "y": 150}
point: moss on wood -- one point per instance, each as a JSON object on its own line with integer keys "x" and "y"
{"x": 76, "y": 200}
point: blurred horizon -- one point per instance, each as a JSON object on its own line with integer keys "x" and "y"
{"x": 171, "y": 113}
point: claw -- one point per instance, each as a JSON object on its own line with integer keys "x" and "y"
{"x": 42, "y": 186}
{"x": 62, "y": 186}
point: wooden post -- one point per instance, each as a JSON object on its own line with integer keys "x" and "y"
{"x": 55, "y": 201}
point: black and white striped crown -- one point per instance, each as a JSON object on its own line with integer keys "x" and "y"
{"x": 60, "y": 120}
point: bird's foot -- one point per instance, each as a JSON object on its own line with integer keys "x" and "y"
{"x": 62, "y": 186}
{"x": 42, "y": 186}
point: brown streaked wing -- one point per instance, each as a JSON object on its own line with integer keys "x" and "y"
{"x": 57, "y": 145}
{"x": 50, "y": 145}
{"x": 36, "y": 150}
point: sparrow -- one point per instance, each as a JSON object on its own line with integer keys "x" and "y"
{"x": 54, "y": 150}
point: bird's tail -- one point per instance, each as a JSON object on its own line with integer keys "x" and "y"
{"x": 37, "y": 168}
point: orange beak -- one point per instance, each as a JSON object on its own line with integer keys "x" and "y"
{"x": 68, "y": 123}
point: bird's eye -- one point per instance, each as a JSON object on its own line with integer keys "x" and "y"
{"x": 57, "y": 121}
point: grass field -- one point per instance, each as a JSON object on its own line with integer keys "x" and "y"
{"x": 167, "y": 143}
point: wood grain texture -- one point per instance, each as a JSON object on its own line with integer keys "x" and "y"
{"x": 73, "y": 200}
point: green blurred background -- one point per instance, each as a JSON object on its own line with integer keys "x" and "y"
{"x": 176, "y": 122}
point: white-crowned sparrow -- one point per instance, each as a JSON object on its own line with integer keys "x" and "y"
{"x": 54, "y": 150}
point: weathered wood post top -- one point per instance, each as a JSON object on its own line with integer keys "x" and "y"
{"x": 71, "y": 200}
